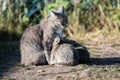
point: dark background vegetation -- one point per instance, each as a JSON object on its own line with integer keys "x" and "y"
{"x": 85, "y": 16}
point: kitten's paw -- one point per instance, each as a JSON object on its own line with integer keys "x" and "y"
{"x": 56, "y": 41}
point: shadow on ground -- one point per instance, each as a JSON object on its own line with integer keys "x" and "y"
{"x": 9, "y": 56}
{"x": 85, "y": 54}
{"x": 105, "y": 61}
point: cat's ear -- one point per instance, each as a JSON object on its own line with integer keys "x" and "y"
{"x": 61, "y": 10}
{"x": 52, "y": 14}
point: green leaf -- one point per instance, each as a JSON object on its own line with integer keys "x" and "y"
{"x": 25, "y": 19}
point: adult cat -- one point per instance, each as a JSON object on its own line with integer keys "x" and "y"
{"x": 36, "y": 42}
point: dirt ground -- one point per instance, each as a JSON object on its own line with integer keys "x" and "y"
{"x": 104, "y": 64}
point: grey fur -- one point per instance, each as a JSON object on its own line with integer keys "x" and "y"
{"x": 63, "y": 54}
{"x": 83, "y": 53}
{"x": 68, "y": 53}
{"x": 36, "y": 42}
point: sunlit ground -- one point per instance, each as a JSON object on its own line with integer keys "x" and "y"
{"x": 104, "y": 64}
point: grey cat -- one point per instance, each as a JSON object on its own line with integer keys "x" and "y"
{"x": 63, "y": 54}
{"x": 36, "y": 42}
{"x": 83, "y": 53}
{"x": 68, "y": 53}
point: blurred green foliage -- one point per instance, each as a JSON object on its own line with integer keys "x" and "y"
{"x": 84, "y": 16}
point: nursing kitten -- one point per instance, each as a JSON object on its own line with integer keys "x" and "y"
{"x": 68, "y": 53}
{"x": 63, "y": 54}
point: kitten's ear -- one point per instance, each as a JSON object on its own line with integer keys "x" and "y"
{"x": 52, "y": 14}
{"x": 62, "y": 10}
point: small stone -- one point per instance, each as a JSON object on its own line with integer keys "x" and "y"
{"x": 39, "y": 71}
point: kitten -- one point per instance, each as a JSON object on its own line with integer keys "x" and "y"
{"x": 36, "y": 42}
{"x": 63, "y": 54}
{"x": 68, "y": 53}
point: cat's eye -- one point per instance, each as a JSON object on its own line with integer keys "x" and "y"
{"x": 64, "y": 24}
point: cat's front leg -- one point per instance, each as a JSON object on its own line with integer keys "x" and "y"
{"x": 47, "y": 55}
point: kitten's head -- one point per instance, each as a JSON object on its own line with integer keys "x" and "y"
{"x": 59, "y": 18}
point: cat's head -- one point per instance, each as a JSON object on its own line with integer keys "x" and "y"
{"x": 59, "y": 18}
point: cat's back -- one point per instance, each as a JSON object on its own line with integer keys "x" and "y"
{"x": 32, "y": 32}
{"x": 65, "y": 48}
{"x": 64, "y": 54}
{"x": 66, "y": 51}
{"x": 31, "y": 47}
